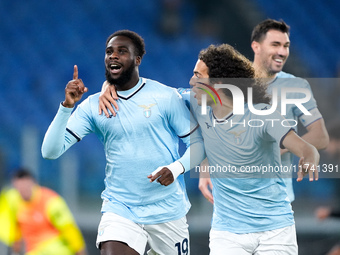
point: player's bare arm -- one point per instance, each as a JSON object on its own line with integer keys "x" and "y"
{"x": 74, "y": 90}
{"x": 317, "y": 134}
{"x": 205, "y": 185}
{"x": 107, "y": 98}
{"x": 308, "y": 154}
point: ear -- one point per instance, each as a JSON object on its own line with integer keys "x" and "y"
{"x": 138, "y": 60}
{"x": 255, "y": 46}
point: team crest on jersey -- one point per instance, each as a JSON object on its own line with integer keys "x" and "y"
{"x": 147, "y": 109}
{"x": 237, "y": 135}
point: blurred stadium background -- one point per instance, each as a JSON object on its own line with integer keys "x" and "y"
{"x": 42, "y": 40}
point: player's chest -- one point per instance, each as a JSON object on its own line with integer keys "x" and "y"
{"x": 234, "y": 131}
{"x": 133, "y": 118}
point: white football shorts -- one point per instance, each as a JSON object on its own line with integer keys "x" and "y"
{"x": 280, "y": 241}
{"x": 170, "y": 238}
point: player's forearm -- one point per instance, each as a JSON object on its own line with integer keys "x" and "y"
{"x": 317, "y": 135}
{"x": 204, "y": 165}
{"x": 304, "y": 149}
{"x": 195, "y": 152}
{"x": 55, "y": 143}
{"x": 320, "y": 140}
{"x": 301, "y": 148}
{"x": 310, "y": 154}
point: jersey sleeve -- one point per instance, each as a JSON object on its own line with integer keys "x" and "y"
{"x": 276, "y": 127}
{"x": 66, "y": 129}
{"x": 57, "y": 140}
{"x": 195, "y": 152}
{"x": 80, "y": 123}
{"x": 186, "y": 127}
{"x": 179, "y": 116}
{"x": 311, "y": 105}
{"x": 185, "y": 93}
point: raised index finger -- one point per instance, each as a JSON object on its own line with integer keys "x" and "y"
{"x": 75, "y": 72}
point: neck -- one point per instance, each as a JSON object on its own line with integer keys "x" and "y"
{"x": 128, "y": 85}
{"x": 221, "y": 111}
{"x": 262, "y": 73}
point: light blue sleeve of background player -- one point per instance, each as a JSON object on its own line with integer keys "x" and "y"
{"x": 186, "y": 127}
{"x": 311, "y": 104}
{"x": 275, "y": 130}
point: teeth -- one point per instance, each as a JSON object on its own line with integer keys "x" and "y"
{"x": 278, "y": 60}
{"x": 113, "y": 66}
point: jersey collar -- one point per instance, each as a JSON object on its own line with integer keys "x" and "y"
{"x": 223, "y": 119}
{"x": 127, "y": 94}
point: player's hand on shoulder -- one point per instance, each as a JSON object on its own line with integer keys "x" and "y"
{"x": 107, "y": 98}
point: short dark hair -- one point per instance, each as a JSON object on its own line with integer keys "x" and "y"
{"x": 225, "y": 62}
{"x": 261, "y": 29}
{"x": 21, "y": 173}
{"x": 136, "y": 39}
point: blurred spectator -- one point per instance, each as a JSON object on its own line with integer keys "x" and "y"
{"x": 8, "y": 199}
{"x": 37, "y": 220}
{"x": 323, "y": 213}
{"x": 171, "y": 22}
{"x": 332, "y": 156}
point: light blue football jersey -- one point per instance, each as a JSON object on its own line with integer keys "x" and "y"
{"x": 246, "y": 199}
{"x": 285, "y": 80}
{"x": 143, "y": 136}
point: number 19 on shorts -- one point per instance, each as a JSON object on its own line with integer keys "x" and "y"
{"x": 183, "y": 248}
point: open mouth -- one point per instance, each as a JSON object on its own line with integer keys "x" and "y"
{"x": 115, "y": 68}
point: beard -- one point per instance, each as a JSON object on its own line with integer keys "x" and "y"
{"x": 124, "y": 78}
